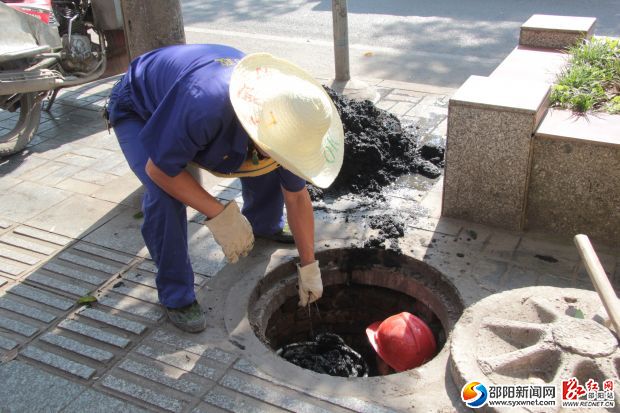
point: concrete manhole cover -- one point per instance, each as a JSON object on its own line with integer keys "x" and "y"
{"x": 535, "y": 335}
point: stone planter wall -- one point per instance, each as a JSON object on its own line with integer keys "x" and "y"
{"x": 513, "y": 163}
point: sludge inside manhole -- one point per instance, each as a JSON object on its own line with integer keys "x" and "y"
{"x": 361, "y": 286}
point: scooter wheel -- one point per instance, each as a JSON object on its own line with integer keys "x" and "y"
{"x": 24, "y": 125}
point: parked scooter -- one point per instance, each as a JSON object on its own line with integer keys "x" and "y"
{"x": 37, "y": 59}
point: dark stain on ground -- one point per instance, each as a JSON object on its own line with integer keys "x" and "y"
{"x": 546, "y": 258}
{"x": 390, "y": 228}
{"x": 327, "y": 354}
{"x": 378, "y": 149}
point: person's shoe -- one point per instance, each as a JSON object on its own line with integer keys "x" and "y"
{"x": 284, "y": 236}
{"x": 190, "y": 318}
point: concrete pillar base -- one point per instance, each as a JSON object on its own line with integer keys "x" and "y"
{"x": 355, "y": 89}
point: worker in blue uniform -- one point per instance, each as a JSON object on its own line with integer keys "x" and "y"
{"x": 255, "y": 117}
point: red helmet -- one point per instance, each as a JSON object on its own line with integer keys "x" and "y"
{"x": 403, "y": 341}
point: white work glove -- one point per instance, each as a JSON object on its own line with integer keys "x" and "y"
{"x": 232, "y": 231}
{"x": 310, "y": 284}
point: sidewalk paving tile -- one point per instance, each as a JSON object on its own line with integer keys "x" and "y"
{"x": 278, "y": 396}
{"x": 39, "y": 296}
{"x": 28, "y": 244}
{"x": 29, "y": 389}
{"x": 28, "y": 199}
{"x": 18, "y": 327}
{"x": 59, "y": 362}
{"x": 142, "y": 393}
{"x": 112, "y": 320}
{"x": 92, "y": 401}
{"x": 70, "y": 287}
{"x": 42, "y": 235}
{"x": 235, "y": 402}
{"x": 103, "y": 253}
{"x": 77, "y": 347}
{"x": 168, "y": 376}
{"x": 94, "y": 263}
{"x": 121, "y": 233}
{"x": 58, "y": 266}
{"x": 94, "y": 333}
{"x": 131, "y": 305}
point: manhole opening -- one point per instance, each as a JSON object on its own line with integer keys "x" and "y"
{"x": 361, "y": 286}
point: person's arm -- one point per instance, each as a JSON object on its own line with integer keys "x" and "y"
{"x": 185, "y": 189}
{"x": 301, "y": 221}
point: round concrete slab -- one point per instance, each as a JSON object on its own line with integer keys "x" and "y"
{"x": 534, "y": 335}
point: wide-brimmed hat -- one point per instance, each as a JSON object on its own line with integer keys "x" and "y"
{"x": 289, "y": 116}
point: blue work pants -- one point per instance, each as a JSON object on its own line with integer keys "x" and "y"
{"x": 165, "y": 219}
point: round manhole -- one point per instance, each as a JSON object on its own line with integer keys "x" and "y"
{"x": 361, "y": 286}
{"x": 535, "y": 336}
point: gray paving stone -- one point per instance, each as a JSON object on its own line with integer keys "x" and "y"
{"x": 10, "y": 269}
{"x": 358, "y": 405}
{"x": 142, "y": 393}
{"x": 4, "y": 224}
{"x": 28, "y": 199}
{"x": 52, "y": 173}
{"x": 92, "y": 401}
{"x": 138, "y": 291}
{"x": 208, "y": 408}
{"x": 51, "y": 282}
{"x": 144, "y": 278}
{"x": 75, "y": 216}
{"x": 18, "y": 256}
{"x": 113, "y": 320}
{"x": 2, "y": 282}
{"x": 182, "y": 360}
{"x": 159, "y": 376}
{"x": 166, "y": 337}
{"x": 77, "y": 347}
{"x": 94, "y": 332}
{"x": 17, "y": 326}
{"x": 58, "y": 362}
{"x": 148, "y": 265}
{"x": 29, "y": 389}
{"x": 235, "y": 402}
{"x": 133, "y": 306}
{"x": 94, "y": 177}
{"x": 102, "y": 252}
{"x": 78, "y": 274}
{"x": 90, "y": 263}
{"x": 122, "y": 233}
{"x": 42, "y": 235}
{"x": 19, "y": 308}
{"x": 41, "y": 297}
{"x": 28, "y": 245}
{"x": 269, "y": 393}
{"x": 7, "y": 343}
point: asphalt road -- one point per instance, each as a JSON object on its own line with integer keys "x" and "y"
{"x": 439, "y": 42}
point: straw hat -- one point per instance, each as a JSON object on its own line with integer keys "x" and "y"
{"x": 289, "y": 116}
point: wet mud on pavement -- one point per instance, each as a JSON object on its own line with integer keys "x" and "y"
{"x": 382, "y": 158}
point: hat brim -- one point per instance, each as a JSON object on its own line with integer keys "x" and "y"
{"x": 258, "y": 72}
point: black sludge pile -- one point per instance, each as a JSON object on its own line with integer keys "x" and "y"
{"x": 327, "y": 354}
{"x": 377, "y": 150}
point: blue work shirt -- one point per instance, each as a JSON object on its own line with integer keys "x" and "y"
{"x": 181, "y": 92}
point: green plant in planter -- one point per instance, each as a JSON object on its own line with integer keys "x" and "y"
{"x": 591, "y": 81}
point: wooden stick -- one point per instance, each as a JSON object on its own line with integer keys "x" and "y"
{"x": 599, "y": 279}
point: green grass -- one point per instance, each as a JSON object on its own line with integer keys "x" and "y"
{"x": 591, "y": 81}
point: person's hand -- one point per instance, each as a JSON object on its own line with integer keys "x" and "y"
{"x": 310, "y": 284}
{"x": 232, "y": 231}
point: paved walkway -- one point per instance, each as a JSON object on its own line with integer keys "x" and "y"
{"x": 69, "y": 227}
